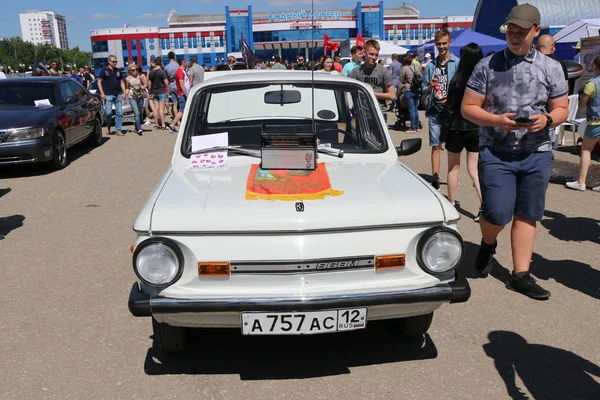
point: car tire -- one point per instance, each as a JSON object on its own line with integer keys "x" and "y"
{"x": 59, "y": 151}
{"x": 167, "y": 338}
{"x": 412, "y": 327}
{"x": 95, "y": 137}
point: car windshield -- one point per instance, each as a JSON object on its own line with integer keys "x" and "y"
{"x": 345, "y": 116}
{"x": 26, "y": 93}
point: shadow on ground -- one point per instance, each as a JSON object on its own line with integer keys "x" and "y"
{"x": 5, "y": 191}
{"x": 40, "y": 169}
{"x": 566, "y": 171}
{"x": 8, "y": 224}
{"x": 467, "y": 268}
{"x": 226, "y": 351}
{"x": 574, "y": 229}
{"x": 547, "y": 372}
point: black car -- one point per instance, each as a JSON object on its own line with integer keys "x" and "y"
{"x": 40, "y": 117}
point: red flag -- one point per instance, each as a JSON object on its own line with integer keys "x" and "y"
{"x": 360, "y": 41}
{"x": 330, "y": 45}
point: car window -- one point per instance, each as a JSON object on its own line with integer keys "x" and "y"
{"x": 345, "y": 116}
{"x": 66, "y": 91}
{"x": 25, "y": 94}
{"x": 77, "y": 89}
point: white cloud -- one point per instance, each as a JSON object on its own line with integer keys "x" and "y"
{"x": 105, "y": 16}
{"x": 298, "y": 2}
{"x": 150, "y": 16}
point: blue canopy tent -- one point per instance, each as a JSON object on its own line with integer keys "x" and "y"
{"x": 462, "y": 38}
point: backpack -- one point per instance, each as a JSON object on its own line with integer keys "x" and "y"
{"x": 415, "y": 85}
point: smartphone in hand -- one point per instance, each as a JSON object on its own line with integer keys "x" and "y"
{"x": 523, "y": 120}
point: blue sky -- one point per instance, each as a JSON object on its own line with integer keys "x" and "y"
{"x": 82, "y": 16}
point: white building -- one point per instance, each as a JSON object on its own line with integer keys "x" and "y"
{"x": 44, "y": 27}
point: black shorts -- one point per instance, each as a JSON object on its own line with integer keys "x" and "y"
{"x": 459, "y": 140}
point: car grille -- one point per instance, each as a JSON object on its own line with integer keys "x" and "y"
{"x": 302, "y": 266}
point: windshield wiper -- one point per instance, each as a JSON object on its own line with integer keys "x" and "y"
{"x": 236, "y": 149}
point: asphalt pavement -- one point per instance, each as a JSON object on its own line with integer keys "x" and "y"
{"x": 67, "y": 333}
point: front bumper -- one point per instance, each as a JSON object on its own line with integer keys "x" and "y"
{"x": 144, "y": 305}
{"x": 26, "y": 151}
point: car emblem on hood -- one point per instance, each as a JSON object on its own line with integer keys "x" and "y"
{"x": 300, "y": 207}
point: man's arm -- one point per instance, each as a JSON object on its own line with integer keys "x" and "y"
{"x": 472, "y": 109}
{"x": 122, "y": 81}
{"x": 388, "y": 94}
{"x": 182, "y": 86}
{"x": 426, "y": 79}
{"x": 100, "y": 89}
{"x": 559, "y": 111}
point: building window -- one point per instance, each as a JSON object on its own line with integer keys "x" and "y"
{"x": 207, "y": 58}
{"x": 100, "y": 46}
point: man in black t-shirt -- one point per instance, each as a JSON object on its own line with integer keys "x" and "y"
{"x": 112, "y": 91}
{"x": 545, "y": 45}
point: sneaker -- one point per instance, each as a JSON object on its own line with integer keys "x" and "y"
{"x": 436, "y": 184}
{"x": 485, "y": 258}
{"x": 119, "y": 133}
{"x": 140, "y": 132}
{"x": 478, "y": 216}
{"x": 575, "y": 186}
{"x": 171, "y": 128}
{"x": 596, "y": 189}
{"x": 524, "y": 283}
{"x": 147, "y": 121}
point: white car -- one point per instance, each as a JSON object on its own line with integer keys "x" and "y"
{"x": 285, "y": 211}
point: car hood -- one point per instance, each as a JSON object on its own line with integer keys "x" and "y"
{"x": 22, "y": 116}
{"x": 374, "y": 194}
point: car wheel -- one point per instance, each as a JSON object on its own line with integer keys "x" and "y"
{"x": 59, "y": 151}
{"x": 167, "y": 338}
{"x": 412, "y": 327}
{"x": 95, "y": 137}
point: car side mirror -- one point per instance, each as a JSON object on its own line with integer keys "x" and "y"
{"x": 409, "y": 146}
{"x": 71, "y": 100}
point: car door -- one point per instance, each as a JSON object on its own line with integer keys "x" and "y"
{"x": 70, "y": 115}
{"x": 82, "y": 110}
{"x": 88, "y": 109}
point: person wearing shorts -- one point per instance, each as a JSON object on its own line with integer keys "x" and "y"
{"x": 159, "y": 82}
{"x": 182, "y": 83}
{"x": 515, "y": 96}
{"x": 591, "y": 100}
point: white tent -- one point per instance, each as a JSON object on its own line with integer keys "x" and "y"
{"x": 388, "y": 48}
{"x": 577, "y": 30}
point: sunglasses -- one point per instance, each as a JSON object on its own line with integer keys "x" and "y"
{"x": 112, "y": 61}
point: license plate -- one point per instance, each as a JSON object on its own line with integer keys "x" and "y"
{"x": 303, "y": 323}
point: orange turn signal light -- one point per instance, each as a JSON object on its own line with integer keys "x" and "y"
{"x": 132, "y": 249}
{"x": 213, "y": 269}
{"x": 395, "y": 261}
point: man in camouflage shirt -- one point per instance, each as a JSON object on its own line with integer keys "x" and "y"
{"x": 515, "y": 96}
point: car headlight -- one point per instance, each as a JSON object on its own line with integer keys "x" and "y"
{"x": 158, "y": 262}
{"x": 16, "y": 135}
{"x": 439, "y": 250}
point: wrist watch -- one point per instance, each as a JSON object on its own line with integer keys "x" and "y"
{"x": 549, "y": 120}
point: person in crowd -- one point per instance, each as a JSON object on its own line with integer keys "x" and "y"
{"x": 357, "y": 59}
{"x": 183, "y": 89}
{"x": 230, "y": 63}
{"x": 89, "y": 71}
{"x": 426, "y": 61}
{"x": 278, "y": 65}
{"x": 196, "y": 72}
{"x": 300, "y": 66}
{"x": 135, "y": 90}
{"x": 53, "y": 71}
{"x": 577, "y": 49}
{"x": 458, "y": 133}
{"x": 328, "y": 65}
{"x": 318, "y": 66}
{"x": 412, "y": 94}
{"x": 515, "y": 96}
{"x": 75, "y": 75}
{"x": 591, "y": 100}
{"x": 86, "y": 77}
{"x": 436, "y": 76}
{"x": 159, "y": 82}
{"x": 381, "y": 62}
{"x": 375, "y": 75}
{"x": 395, "y": 69}
{"x": 170, "y": 69}
{"x": 337, "y": 65}
{"x": 415, "y": 61}
{"x": 112, "y": 91}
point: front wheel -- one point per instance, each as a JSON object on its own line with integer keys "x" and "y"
{"x": 59, "y": 151}
{"x": 412, "y": 327}
{"x": 95, "y": 137}
{"x": 167, "y": 338}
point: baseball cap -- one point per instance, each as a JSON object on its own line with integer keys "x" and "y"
{"x": 524, "y": 15}
{"x": 427, "y": 55}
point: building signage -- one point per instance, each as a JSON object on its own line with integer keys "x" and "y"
{"x": 295, "y": 15}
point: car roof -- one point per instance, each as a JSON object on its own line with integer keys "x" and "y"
{"x": 40, "y": 79}
{"x": 252, "y": 75}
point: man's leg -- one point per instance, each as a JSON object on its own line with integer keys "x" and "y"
{"x": 434, "y": 141}
{"x": 108, "y": 103}
{"x": 522, "y": 237}
{"x": 118, "y": 114}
